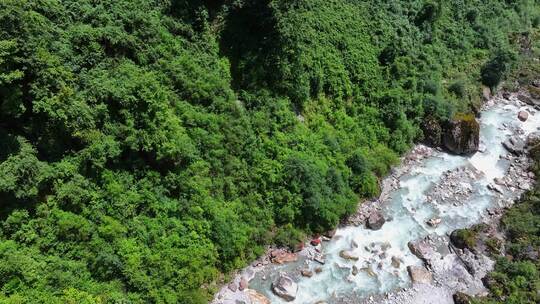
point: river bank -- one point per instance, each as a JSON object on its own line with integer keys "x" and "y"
{"x": 409, "y": 257}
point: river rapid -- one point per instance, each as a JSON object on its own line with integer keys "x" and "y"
{"x": 429, "y": 184}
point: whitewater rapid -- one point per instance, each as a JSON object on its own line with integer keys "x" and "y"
{"x": 407, "y": 210}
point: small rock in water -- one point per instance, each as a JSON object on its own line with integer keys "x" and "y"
{"x": 307, "y": 273}
{"x": 396, "y": 262}
{"x": 354, "y": 270}
{"x": 434, "y": 222}
{"x": 348, "y": 255}
{"x": 318, "y": 269}
{"x": 523, "y": 115}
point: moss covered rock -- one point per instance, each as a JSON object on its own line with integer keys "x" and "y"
{"x": 462, "y": 134}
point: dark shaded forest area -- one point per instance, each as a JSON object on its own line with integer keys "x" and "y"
{"x": 150, "y": 147}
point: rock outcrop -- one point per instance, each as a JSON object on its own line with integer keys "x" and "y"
{"x": 375, "y": 221}
{"x": 285, "y": 288}
{"x": 462, "y": 135}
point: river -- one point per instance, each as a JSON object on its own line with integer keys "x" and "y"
{"x": 407, "y": 207}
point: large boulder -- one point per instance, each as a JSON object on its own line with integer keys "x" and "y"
{"x": 285, "y": 288}
{"x": 256, "y": 297}
{"x": 375, "y": 221}
{"x": 422, "y": 249}
{"x": 419, "y": 274}
{"x": 462, "y": 134}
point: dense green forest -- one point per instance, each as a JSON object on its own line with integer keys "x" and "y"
{"x": 150, "y": 147}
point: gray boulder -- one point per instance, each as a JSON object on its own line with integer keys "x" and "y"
{"x": 285, "y": 288}
{"x": 375, "y": 221}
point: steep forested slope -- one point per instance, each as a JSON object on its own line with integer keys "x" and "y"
{"x": 147, "y": 146}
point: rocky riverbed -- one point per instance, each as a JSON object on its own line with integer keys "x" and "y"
{"x": 400, "y": 248}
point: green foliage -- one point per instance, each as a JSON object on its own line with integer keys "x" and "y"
{"x": 496, "y": 69}
{"x": 148, "y": 146}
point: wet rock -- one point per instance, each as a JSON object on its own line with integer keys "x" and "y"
{"x": 354, "y": 270}
{"x": 280, "y": 256}
{"x": 506, "y": 95}
{"x": 419, "y": 274}
{"x": 318, "y": 269}
{"x": 499, "y": 181}
{"x": 514, "y": 145}
{"x": 461, "y": 298}
{"x": 285, "y": 288}
{"x": 348, "y": 255}
{"x": 330, "y": 234}
{"x": 319, "y": 258}
{"x": 315, "y": 241}
{"x": 306, "y": 273}
{"x": 434, "y": 222}
{"x": 462, "y": 135}
{"x": 396, "y": 262}
{"x": 375, "y": 221}
{"x": 243, "y": 284}
{"x": 256, "y": 297}
{"x": 523, "y": 115}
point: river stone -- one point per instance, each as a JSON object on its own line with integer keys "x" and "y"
{"x": 307, "y": 273}
{"x": 396, "y": 262}
{"x": 348, "y": 255}
{"x": 523, "y": 115}
{"x": 419, "y": 274}
{"x": 462, "y": 135}
{"x": 422, "y": 249}
{"x": 434, "y": 222}
{"x": 256, "y": 297}
{"x": 285, "y": 288}
{"x": 375, "y": 221}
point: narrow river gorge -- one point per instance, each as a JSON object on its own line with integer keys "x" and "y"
{"x": 428, "y": 196}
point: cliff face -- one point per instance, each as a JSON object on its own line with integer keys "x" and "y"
{"x": 462, "y": 135}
